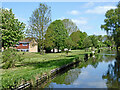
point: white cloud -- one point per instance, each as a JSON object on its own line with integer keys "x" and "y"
{"x": 20, "y": 19}
{"x": 100, "y": 33}
{"x": 89, "y": 4}
{"x": 80, "y": 21}
{"x": 61, "y": 18}
{"x": 100, "y": 9}
{"x": 77, "y": 21}
{"x": 74, "y": 12}
{"x": 100, "y": 84}
{"x": 7, "y": 9}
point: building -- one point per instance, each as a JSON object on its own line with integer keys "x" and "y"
{"x": 27, "y": 45}
{"x": 56, "y": 50}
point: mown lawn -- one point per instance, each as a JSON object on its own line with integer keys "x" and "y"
{"x": 34, "y": 65}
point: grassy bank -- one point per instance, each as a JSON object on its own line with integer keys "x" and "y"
{"x": 34, "y": 65}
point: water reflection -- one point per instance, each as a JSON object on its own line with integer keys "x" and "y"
{"x": 113, "y": 73}
{"x": 68, "y": 77}
{"x": 90, "y": 74}
{"x": 92, "y": 61}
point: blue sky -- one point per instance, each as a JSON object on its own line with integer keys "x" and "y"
{"x": 88, "y": 16}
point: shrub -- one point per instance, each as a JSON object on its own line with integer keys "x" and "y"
{"x": 10, "y": 57}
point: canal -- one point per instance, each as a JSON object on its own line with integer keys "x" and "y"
{"x": 103, "y": 71}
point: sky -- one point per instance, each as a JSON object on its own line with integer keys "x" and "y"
{"x": 88, "y": 16}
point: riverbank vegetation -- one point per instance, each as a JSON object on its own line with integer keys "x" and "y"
{"x": 34, "y": 65}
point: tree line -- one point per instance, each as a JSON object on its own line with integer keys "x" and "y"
{"x": 58, "y": 34}
{"x": 112, "y": 25}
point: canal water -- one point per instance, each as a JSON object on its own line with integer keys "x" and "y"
{"x": 103, "y": 71}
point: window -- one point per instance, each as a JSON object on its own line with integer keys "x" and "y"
{"x": 24, "y": 44}
{"x": 17, "y": 44}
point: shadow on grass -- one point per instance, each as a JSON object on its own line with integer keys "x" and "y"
{"x": 45, "y": 64}
{"x": 81, "y": 54}
{"x": 71, "y": 56}
{"x": 76, "y": 55}
{"x": 50, "y": 63}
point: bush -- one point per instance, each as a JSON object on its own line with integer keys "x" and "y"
{"x": 10, "y": 57}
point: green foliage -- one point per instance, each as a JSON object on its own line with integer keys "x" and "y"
{"x": 49, "y": 37}
{"x": 34, "y": 66}
{"x": 100, "y": 44}
{"x": 69, "y": 43}
{"x": 100, "y": 38}
{"x": 11, "y": 28}
{"x": 10, "y": 57}
{"x": 39, "y": 22}
{"x": 112, "y": 24}
{"x": 94, "y": 40}
{"x": 108, "y": 43}
{"x": 77, "y": 38}
{"x": 69, "y": 26}
{"x": 87, "y": 42}
{"x": 56, "y": 35}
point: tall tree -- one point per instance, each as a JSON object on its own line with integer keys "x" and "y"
{"x": 56, "y": 35}
{"x": 94, "y": 40}
{"x": 69, "y": 43}
{"x": 69, "y": 26}
{"x": 83, "y": 35}
{"x": 49, "y": 38}
{"x": 100, "y": 38}
{"x": 11, "y": 28}
{"x": 38, "y": 24}
{"x": 77, "y": 38}
{"x": 87, "y": 42}
{"x": 112, "y": 24}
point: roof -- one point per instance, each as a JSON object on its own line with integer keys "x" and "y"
{"x": 26, "y": 40}
{"x": 22, "y": 47}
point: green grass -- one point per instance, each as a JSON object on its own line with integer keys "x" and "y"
{"x": 34, "y": 65}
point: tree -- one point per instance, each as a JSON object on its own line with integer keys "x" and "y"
{"x": 38, "y": 24}
{"x": 100, "y": 38}
{"x": 77, "y": 38}
{"x": 69, "y": 26}
{"x": 49, "y": 38}
{"x": 112, "y": 24}
{"x": 87, "y": 42}
{"x": 83, "y": 35}
{"x": 112, "y": 74}
{"x": 108, "y": 43}
{"x": 94, "y": 40}
{"x": 56, "y": 34}
{"x": 11, "y": 28}
{"x": 0, "y": 41}
{"x": 69, "y": 43}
